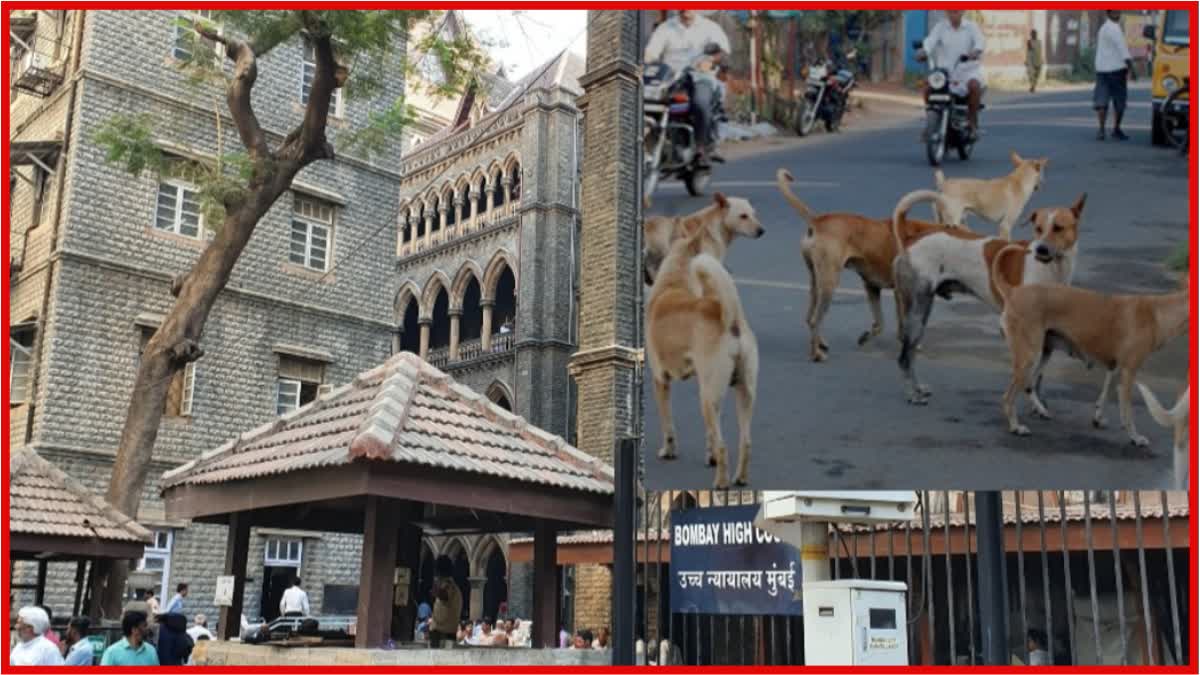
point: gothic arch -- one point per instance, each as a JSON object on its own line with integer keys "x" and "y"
{"x": 501, "y": 260}
{"x": 437, "y": 281}
{"x": 409, "y": 292}
{"x": 469, "y": 270}
{"x": 513, "y": 159}
{"x": 498, "y": 391}
{"x": 483, "y": 550}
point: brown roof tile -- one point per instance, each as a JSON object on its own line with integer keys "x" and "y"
{"x": 404, "y": 411}
{"x": 46, "y": 501}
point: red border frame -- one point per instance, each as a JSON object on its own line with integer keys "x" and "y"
{"x": 624, "y": 4}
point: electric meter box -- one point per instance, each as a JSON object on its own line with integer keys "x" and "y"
{"x": 855, "y": 622}
{"x": 858, "y": 507}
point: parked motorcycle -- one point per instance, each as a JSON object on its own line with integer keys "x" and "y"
{"x": 1174, "y": 117}
{"x": 670, "y": 146}
{"x": 826, "y": 94}
{"x": 946, "y": 120}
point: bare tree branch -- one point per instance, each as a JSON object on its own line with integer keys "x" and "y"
{"x": 245, "y": 72}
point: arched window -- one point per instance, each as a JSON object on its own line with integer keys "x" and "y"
{"x": 483, "y": 194}
{"x": 439, "y": 331}
{"x": 495, "y": 586}
{"x": 498, "y": 190}
{"x": 464, "y": 213}
{"x": 471, "y": 323}
{"x": 505, "y": 312}
{"x": 410, "y": 328}
{"x": 437, "y": 214}
{"x": 451, "y": 210}
{"x": 515, "y": 190}
{"x": 406, "y": 229}
{"x": 421, "y": 221}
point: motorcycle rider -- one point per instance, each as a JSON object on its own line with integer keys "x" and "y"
{"x": 680, "y": 42}
{"x": 951, "y": 39}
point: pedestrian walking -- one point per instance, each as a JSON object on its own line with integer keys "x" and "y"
{"x": 447, "y": 603}
{"x": 174, "y": 643}
{"x": 294, "y": 601}
{"x": 151, "y": 603}
{"x": 79, "y": 648}
{"x": 175, "y": 606}
{"x": 133, "y": 649}
{"x": 32, "y": 648}
{"x": 1114, "y": 67}
{"x": 1035, "y": 56}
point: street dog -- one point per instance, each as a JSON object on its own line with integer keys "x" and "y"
{"x": 719, "y": 223}
{"x": 999, "y": 200}
{"x": 944, "y": 261}
{"x": 695, "y": 326}
{"x": 1116, "y": 331}
{"x": 835, "y": 241}
{"x": 1176, "y": 419}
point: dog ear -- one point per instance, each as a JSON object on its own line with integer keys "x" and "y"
{"x": 1016, "y": 159}
{"x": 1041, "y": 163}
{"x": 720, "y": 200}
{"x": 1077, "y": 207}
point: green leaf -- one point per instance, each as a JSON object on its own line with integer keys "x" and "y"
{"x": 127, "y": 140}
{"x": 383, "y": 126}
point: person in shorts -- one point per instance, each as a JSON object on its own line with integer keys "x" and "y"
{"x": 1114, "y": 67}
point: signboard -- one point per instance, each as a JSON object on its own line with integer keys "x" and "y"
{"x": 223, "y": 595}
{"x": 400, "y": 581}
{"x": 722, "y": 564}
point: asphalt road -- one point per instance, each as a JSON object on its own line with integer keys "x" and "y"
{"x": 845, "y": 423}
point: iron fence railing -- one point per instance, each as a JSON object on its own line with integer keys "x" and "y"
{"x": 1103, "y": 575}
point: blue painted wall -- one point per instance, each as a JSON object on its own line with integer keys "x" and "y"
{"x": 915, "y": 27}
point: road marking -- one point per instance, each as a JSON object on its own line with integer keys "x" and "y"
{"x": 755, "y": 183}
{"x": 792, "y": 286}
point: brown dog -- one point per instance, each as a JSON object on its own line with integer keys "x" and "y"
{"x": 695, "y": 326}
{"x": 719, "y": 222}
{"x": 1116, "y": 331}
{"x": 939, "y": 262}
{"x": 835, "y": 241}
{"x": 1000, "y": 200}
{"x": 1175, "y": 419}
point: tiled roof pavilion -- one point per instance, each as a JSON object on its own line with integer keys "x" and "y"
{"x": 401, "y": 450}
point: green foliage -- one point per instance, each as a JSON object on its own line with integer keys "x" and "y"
{"x": 127, "y": 140}
{"x": 382, "y": 126}
{"x": 1179, "y": 259}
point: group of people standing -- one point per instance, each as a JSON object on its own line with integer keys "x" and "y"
{"x": 150, "y": 636}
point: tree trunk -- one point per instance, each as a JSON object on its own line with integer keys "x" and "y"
{"x": 177, "y": 341}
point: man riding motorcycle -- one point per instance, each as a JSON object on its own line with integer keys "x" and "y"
{"x": 680, "y": 42}
{"x": 952, "y": 39}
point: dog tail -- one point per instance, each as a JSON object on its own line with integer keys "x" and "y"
{"x": 1167, "y": 418}
{"x": 707, "y": 277}
{"x": 939, "y": 178}
{"x": 1003, "y": 288}
{"x": 900, "y": 214}
{"x": 783, "y": 178}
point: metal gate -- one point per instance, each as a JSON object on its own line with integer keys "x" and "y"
{"x": 1088, "y": 577}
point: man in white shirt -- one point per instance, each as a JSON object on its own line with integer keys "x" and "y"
{"x": 957, "y": 44}
{"x": 679, "y": 42}
{"x": 1114, "y": 66}
{"x": 199, "y": 629}
{"x": 32, "y": 648}
{"x": 294, "y": 601}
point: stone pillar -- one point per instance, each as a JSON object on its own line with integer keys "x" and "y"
{"x": 428, "y": 228}
{"x": 458, "y": 220}
{"x": 605, "y": 367}
{"x": 490, "y": 191}
{"x": 455, "y": 316}
{"x": 485, "y": 337}
{"x": 425, "y": 324}
{"x": 237, "y": 549}
{"x": 474, "y": 196}
{"x": 506, "y": 185}
{"x": 442, "y": 220}
{"x": 475, "y": 611}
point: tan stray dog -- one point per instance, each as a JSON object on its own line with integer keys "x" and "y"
{"x": 1000, "y": 200}
{"x": 1116, "y": 331}
{"x": 835, "y": 241}
{"x": 695, "y": 326}
{"x": 719, "y": 223}
{"x": 1176, "y": 419}
{"x": 939, "y": 262}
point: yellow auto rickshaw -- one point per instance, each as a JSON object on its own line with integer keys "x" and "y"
{"x": 1171, "y": 74}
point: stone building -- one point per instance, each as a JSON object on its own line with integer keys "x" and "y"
{"x": 486, "y": 200}
{"x": 488, "y": 230}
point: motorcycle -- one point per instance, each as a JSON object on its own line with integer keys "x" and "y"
{"x": 670, "y": 146}
{"x": 946, "y": 119}
{"x": 827, "y": 91}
